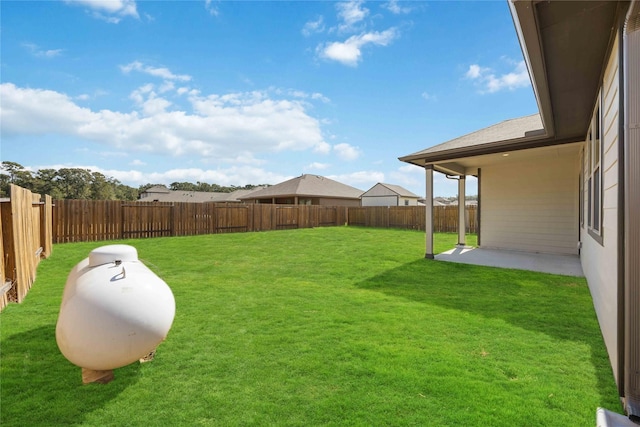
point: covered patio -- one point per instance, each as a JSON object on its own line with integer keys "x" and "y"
{"x": 566, "y": 265}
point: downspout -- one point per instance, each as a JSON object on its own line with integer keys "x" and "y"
{"x": 479, "y": 208}
{"x": 621, "y": 211}
{"x": 631, "y": 144}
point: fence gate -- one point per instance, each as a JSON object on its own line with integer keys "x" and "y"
{"x": 286, "y": 217}
{"x": 232, "y": 219}
{"x": 141, "y": 220}
{"x": 327, "y": 216}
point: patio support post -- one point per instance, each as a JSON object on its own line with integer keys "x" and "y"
{"x": 429, "y": 212}
{"x": 462, "y": 222}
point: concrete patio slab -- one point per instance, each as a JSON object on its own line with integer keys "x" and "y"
{"x": 568, "y": 265}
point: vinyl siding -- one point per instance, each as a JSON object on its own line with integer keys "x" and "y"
{"x": 380, "y": 200}
{"x": 531, "y": 205}
{"x": 379, "y": 190}
{"x": 600, "y": 261}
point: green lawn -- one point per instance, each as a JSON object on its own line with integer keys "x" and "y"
{"x": 326, "y": 326}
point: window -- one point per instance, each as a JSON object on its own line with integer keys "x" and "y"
{"x": 593, "y": 174}
{"x": 406, "y": 203}
{"x": 581, "y": 190}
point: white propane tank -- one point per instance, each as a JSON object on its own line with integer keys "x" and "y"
{"x": 114, "y": 310}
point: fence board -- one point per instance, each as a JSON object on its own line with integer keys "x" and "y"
{"x": 25, "y": 223}
{"x": 5, "y": 284}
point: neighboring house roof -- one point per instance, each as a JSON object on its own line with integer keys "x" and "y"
{"x": 163, "y": 194}
{"x": 390, "y": 188}
{"x": 236, "y": 195}
{"x": 158, "y": 189}
{"x": 307, "y": 185}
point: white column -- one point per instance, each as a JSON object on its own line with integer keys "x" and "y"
{"x": 462, "y": 209}
{"x": 429, "y": 212}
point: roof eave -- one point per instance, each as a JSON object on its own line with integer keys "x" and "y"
{"x": 526, "y": 25}
{"x": 531, "y": 141}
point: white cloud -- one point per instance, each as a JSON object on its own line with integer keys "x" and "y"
{"x": 234, "y": 175}
{"x": 146, "y": 98}
{"x": 211, "y": 7}
{"x": 475, "y": 71}
{"x": 429, "y": 97}
{"x": 313, "y": 27}
{"x": 350, "y": 13}
{"x": 317, "y": 166}
{"x": 161, "y": 72}
{"x": 361, "y": 179}
{"x": 36, "y": 51}
{"x": 394, "y": 7}
{"x": 489, "y": 82}
{"x": 219, "y": 126}
{"x": 349, "y": 52}
{"x": 111, "y": 11}
{"x": 322, "y": 147}
{"x": 346, "y": 151}
{"x": 137, "y": 162}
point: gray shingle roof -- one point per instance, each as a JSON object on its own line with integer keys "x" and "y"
{"x": 400, "y": 191}
{"x": 387, "y": 189}
{"x": 162, "y": 194}
{"x": 512, "y": 129}
{"x": 307, "y": 185}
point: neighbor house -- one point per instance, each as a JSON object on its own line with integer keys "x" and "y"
{"x": 567, "y": 180}
{"x": 160, "y": 193}
{"x": 389, "y": 195}
{"x": 307, "y": 190}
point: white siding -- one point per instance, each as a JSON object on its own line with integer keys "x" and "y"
{"x": 379, "y": 190}
{"x": 408, "y": 201}
{"x": 531, "y": 205}
{"x": 599, "y": 261}
{"x": 380, "y": 201}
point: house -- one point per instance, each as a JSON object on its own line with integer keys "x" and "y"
{"x": 160, "y": 193}
{"x": 307, "y": 190}
{"x": 389, "y": 195}
{"x": 567, "y": 180}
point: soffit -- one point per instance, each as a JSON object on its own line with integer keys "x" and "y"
{"x": 470, "y": 165}
{"x": 575, "y": 38}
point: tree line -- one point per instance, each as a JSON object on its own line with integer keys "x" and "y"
{"x": 78, "y": 183}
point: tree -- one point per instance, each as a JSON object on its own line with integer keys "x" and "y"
{"x": 75, "y": 183}
{"x": 183, "y": 186}
{"x": 46, "y": 182}
{"x": 102, "y": 188}
{"x": 124, "y": 192}
{"x": 14, "y": 173}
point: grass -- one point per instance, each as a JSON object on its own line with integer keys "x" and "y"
{"x": 328, "y": 326}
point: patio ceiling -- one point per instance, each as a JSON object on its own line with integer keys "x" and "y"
{"x": 470, "y": 165}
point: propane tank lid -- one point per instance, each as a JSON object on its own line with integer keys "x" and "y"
{"x": 112, "y": 253}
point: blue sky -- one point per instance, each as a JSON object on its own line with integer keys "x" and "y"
{"x": 239, "y": 92}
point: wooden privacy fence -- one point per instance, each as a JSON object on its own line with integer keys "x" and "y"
{"x": 89, "y": 220}
{"x": 445, "y": 218}
{"x": 25, "y": 222}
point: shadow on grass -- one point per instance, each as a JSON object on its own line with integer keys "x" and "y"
{"x": 39, "y": 387}
{"x": 558, "y": 306}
